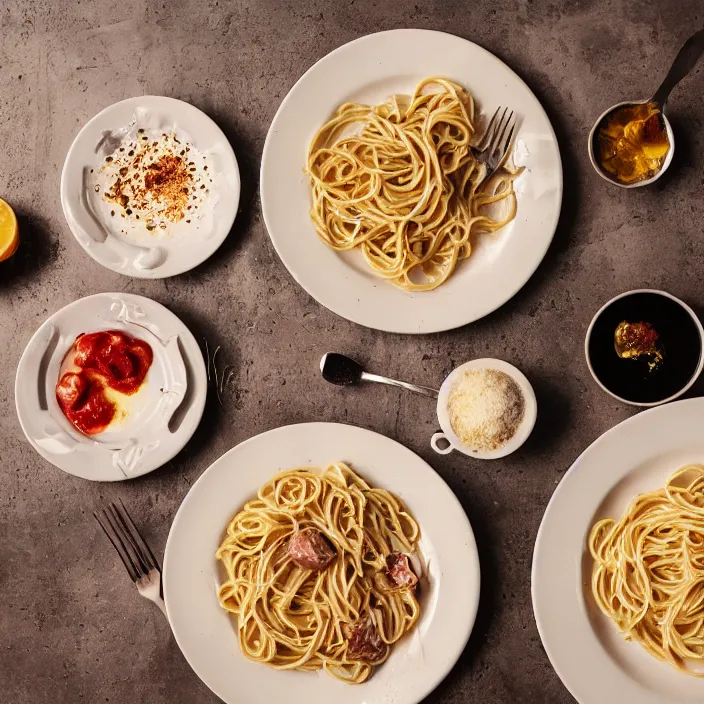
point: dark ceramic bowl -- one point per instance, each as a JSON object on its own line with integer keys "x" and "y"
{"x": 681, "y": 338}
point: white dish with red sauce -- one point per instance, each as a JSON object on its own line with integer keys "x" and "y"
{"x": 102, "y": 387}
{"x": 449, "y": 575}
{"x": 178, "y": 169}
{"x": 110, "y": 387}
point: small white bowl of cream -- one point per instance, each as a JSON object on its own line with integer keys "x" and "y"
{"x": 486, "y": 409}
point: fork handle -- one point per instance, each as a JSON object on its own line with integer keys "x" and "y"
{"x": 162, "y": 606}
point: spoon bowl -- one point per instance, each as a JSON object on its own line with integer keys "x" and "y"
{"x": 341, "y": 370}
{"x": 608, "y": 177}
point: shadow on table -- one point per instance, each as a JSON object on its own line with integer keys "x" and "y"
{"x": 683, "y": 158}
{"x": 489, "y": 596}
{"x": 248, "y": 156}
{"x": 698, "y": 386}
{"x": 37, "y": 250}
{"x": 216, "y": 405}
{"x": 553, "y": 416}
{"x": 561, "y": 241}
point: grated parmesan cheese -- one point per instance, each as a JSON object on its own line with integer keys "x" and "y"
{"x": 486, "y": 406}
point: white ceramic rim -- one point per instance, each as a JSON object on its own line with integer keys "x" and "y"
{"x": 646, "y": 448}
{"x": 637, "y": 184}
{"x": 95, "y": 462}
{"x": 206, "y": 634}
{"x": 696, "y": 373}
{"x": 530, "y": 413}
{"x": 226, "y": 208}
{"x": 341, "y": 281}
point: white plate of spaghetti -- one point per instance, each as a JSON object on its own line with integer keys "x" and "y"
{"x": 307, "y": 565}
{"x": 373, "y": 195}
{"x": 618, "y": 568}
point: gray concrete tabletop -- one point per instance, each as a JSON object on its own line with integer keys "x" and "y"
{"x": 72, "y": 627}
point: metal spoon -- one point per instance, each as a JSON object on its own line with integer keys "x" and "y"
{"x": 344, "y": 371}
{"x": 684, "y": 62}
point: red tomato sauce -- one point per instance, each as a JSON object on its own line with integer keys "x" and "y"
{"x": 108, "y": 358}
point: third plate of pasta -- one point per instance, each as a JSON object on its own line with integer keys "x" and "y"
{"x": 618, "y": 568}
{"x": 376, "y": 193}
{"x": 307, "y": 565}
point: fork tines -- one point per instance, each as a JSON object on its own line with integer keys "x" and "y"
{"x": 498, "y": 134}
{"x": 133, "y": 550}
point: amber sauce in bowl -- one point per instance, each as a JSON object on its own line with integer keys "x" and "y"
{"x": 631, "y": 144}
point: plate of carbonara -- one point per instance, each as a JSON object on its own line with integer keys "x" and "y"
{"x": 618, "y": 567}
{"x": 306, "y": 564}
{"x": 375, "y": 192}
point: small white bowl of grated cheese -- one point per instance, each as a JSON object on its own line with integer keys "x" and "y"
{"x": 486, "y": 408}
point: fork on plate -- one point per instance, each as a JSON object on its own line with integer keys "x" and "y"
{"x": 133, "y": 550}
{"x": 496, "y": 141}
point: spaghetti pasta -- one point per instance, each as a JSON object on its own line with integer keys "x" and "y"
{"x": 343, "y": 617}
{"x": 406, "y": 188}
{"x": 648, "y": 573}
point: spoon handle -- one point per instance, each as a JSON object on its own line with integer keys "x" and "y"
{"x": 424, "y": 390}
{"x": 685, "y": 61}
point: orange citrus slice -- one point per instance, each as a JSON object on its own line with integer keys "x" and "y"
{"x": 9, "y": 234}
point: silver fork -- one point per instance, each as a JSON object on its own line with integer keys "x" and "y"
{"x": 494, "y": 144}
{"x": 133, "y": 550}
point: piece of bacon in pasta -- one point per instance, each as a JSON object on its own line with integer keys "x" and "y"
{"x": 399, "y": 571}
{"x": 310, "y": 549}
{"x": 365, "y": 643}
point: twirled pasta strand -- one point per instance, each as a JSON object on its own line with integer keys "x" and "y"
{"x": 406, "y": 188}
{"x": 293, "y": 618}
{"x": 648, "y": 573}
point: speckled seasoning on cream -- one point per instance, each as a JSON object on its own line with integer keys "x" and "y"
{"x": 154, "y": 178}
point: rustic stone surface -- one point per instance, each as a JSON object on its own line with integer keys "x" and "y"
{"x": 72, "y": 628}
